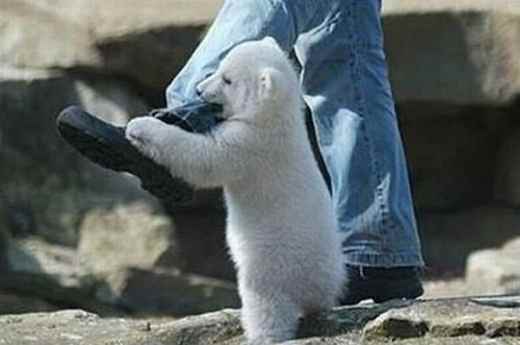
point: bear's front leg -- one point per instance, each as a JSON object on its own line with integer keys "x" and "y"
{"x": 149, "y": 136}
{"x": 208, "y": 160}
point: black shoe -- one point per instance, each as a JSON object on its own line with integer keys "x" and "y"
{"x": 381, "y": 284}
{"x": 106, "y": 145}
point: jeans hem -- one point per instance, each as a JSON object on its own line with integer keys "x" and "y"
{"x": 383, "y": 260}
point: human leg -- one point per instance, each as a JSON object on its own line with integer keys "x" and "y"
{"x": 346, "y": 86}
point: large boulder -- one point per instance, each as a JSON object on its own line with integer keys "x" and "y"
{"x": 454, "y": 52}
{"x": 466, "y": 231}
{"x": 33, "y": 37}
{"x": 4, "y": 238}
{"x": 162, "y": 291}
{"x": 124, "y": 236}
{"x": 62, "y": 277}
{"x": 496, "y": 270}
{"x": 507, "y": 174}
{"x": 45, "y": 185}
{"x": 146, "y": 42}
{"x": 455, "y": 76}
{"x": 33, "y": 255}
{"x": 451, "y": 150}
{"x": 47, "y": 276}
{"x": 459, "y": 321}
{"x": 20, "y": 304}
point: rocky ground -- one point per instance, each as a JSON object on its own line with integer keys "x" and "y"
{"x": 75, "y": 236}
{"x": 446, "y": 322}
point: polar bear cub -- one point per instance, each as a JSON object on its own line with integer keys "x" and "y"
{"x": 281, "y": 228}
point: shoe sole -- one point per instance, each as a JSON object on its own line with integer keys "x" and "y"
{"x": 412, "y": 293}
{"x": 107, "y": 146}
{"x": 381, "y": 289}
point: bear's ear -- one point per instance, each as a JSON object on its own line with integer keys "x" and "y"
{"x": 267, "y": 82}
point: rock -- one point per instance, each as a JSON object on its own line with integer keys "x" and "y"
{"x": 148, "y": 43}
{"x": 55, "y": 274}
{"x": 504, "y": 326}
{"x": 466, "y": 325}
{"x": 444, "y": 322}
{"x": 496, "y": 270}
{"x": 441, "y": 287}
{"x": 450, "y": 150}
{"x": 507, "y": 175}
{"x": 418, "y": 6}
{"x": 466, "y": 231}
{"x": 454, "y": 318}
{"x": 474, "y": 44}
{"x": 455, "y": 53}
{"x": 72, "y": 327}
{"x": 33, "y": 255}
{"x": 394, "y": 326}
{"x": 50, "y": 289}
{"x": 132, "y": 235}
{"x": 4, "y": 238}
{"x": 16, "y": 304}
{"x": 47, "y": 186}
{"x": 165, "y": 291}
{"x": 45, "y": 272}
{"x": 39, "y": 47}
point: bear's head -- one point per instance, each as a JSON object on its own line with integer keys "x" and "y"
{"x": 255, "y": 81}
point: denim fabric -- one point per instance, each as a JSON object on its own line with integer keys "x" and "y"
{"x": 339, "y": 44}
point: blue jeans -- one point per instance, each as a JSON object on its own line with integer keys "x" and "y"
{"x": 339, "y": 44}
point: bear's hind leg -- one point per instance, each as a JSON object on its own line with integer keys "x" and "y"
{"x": 269, "y": 323}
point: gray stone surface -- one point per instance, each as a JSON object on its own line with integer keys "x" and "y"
{"x": 34, "y": 255}
{"x": 71, "y": 327}
{"x": 18, "y": 304}
{"x": 57, "y": 274}
{"x": 165, "y": 292}
{"x": 448, "y": 238}
{"x": 507, "y": 175}
{"x": 446, "y": 319}
{"x": 39, "y": 272}
{"x": 451, "y": 150}
{"x": 127, "y": 235}
{"x": 456, "y": 53}
{"x": 51, "y": 42}
{"x": 419, "y": 6}
{"x": 46, "y": 185}
{"x": 496, "y": 270}
{"x": 148, "y": 42}
{"x": 4, "y": 240}
{"x": 456, "y": 321}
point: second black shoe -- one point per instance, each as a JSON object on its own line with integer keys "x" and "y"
{"x": 381, "y": 284}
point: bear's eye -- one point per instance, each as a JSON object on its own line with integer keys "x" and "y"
{"x": 226, "y": 80}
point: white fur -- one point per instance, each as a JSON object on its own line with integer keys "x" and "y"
{"x": 281, "y": 228}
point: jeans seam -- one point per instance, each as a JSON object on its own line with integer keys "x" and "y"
{"x": 276, "y": 5}
{"x": 361, "y": 109}
{"x": 387, "y": 260}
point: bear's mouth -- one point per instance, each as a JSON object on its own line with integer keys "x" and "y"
{"x": 219, "y": 114}
{"x": 219, "y": 117}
